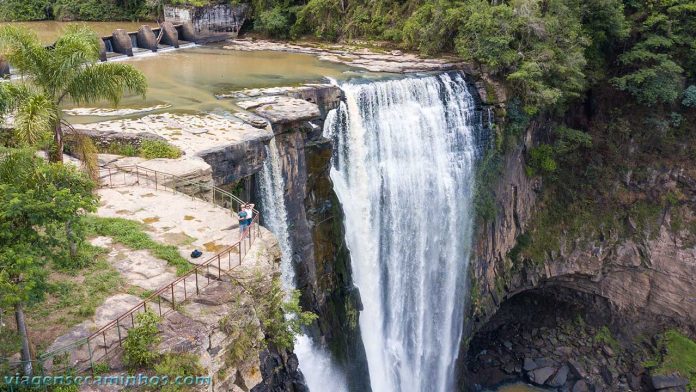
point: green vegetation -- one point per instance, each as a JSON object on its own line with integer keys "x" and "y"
{"x": 139, "y": 346}
{"x": 280, "y": 313}
{"x": 23, "y": 10}
{"x": 70, "y": 299}
{"x": 69, "y": 71}
{"x": 281, "y": 316}
{"x": 158, "y": 149}
{"x": 178, "y": 365}
{"x": 604, "y": 336}
{"x": 38, "y": 200}
{"x": 677, "y": 353}
{"x": 149, "y": 149}
{"x": 547, "y": 52}
{"x": 132, "y": 234}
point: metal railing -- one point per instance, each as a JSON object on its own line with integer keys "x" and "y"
{"x": 81, "y": 355}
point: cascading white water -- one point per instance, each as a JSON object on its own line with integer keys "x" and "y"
{"x": 315, "y": 361}
{"x": 403, "y": 170}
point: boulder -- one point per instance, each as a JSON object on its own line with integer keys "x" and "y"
{"x": 581, "y": 386}
{"x": 146, "y": 39}
{"x": 559, "y": 378}
{"x": 661, "y": 382}
{"x": 529, "y": 364}
{"x": 541, "y": 375}
{"x": 577, "y": 369}
{"x": 121, "y": 42}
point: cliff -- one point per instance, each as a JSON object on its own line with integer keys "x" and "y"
{"x": 628, "y": 267}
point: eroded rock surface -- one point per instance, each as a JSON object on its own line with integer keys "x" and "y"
{"x": 394, "y": 61}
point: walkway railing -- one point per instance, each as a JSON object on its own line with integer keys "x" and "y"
{"x": 82, "y": 354}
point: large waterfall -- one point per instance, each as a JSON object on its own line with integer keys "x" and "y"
{"x": 403, "y": 169}
{"x": 315, "y": 361}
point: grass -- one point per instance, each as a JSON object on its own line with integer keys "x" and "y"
{"x": 678, "y": 355}
{"x": 604, "y": 336}
{"x": 71, "y": 298}
{"x": 132, "y": 234}
{"x": 149, "y": 149}
{"x": 158, "y": 149}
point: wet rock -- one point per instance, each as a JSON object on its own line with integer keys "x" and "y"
{"x": 529, "y": 364}
{"x": 577, "y": 369}
{"x": 581, "y": 386}
{"x": 560, "y": 377}
{"x": 608, "y": 375}
{"x": 541, "y": 375}
{"x": 280, "y": 373}
{"x": 545, "y": 362}
{"x": 660, "y": 382}
{"x": 607, "y": 351}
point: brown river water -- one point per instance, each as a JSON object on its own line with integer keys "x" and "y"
{"x": 187, "y": 79}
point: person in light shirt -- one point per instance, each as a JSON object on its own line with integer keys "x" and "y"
{"x": 250, "y": 214}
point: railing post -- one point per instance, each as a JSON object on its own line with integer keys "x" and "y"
{"x": 155, "y": 180}
{"x": 89, "y": 349}
{"x": 184, "y": 289}
{"x": 239, "y": 251}
{"x": 137, "y": 175}
{"x": 219, "y": 268}
{"x": 173, "y": 302}
{"x": 118, "y": 328}
{"x": 111, "y": 184}
{"x": 159, "y": 304}
{"x": 196, "y": 273}
{"x": 106, "y": 351}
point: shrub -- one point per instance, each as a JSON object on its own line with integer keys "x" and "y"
{"x": 20, "y": 10}
{"x": 690, "y": 97}
{"x": 541, "y": 161}
{"x": 158, "y": 149}
{"x": 101, "y": 368}
{"x": 273, "y": 22}
{"x": 678, "y": 354}
{"x": 280, "y": 313}
{"x": 139, "y": 345}
{"x": 176, "y": 365}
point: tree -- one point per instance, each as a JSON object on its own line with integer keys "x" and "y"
{"x": 662, "y": 48}
{"x": 70, "y": 70}
{"x": 37, "y": 199}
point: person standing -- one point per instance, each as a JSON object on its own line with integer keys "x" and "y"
{"x": 242, "y": 217}
{"x": 249, "y": 214}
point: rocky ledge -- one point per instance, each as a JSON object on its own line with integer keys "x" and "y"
{"x": 394, "y": 61}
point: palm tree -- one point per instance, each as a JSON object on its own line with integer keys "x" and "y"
{"x": 69, "y": 70}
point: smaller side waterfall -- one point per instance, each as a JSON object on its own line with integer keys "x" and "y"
{"x": 315, "y": 362}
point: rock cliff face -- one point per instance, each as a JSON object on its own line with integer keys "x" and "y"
{"x": 320, "y": 259}
{"x": 640, "y": 279}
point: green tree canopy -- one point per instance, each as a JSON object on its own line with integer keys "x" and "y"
{"x": 50, "y": 76}
{"x": 37, "y": 200}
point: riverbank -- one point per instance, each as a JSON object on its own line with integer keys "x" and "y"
{"x": 370, "y": 59}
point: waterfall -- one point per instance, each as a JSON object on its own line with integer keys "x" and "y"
{"x": 403, "y": 170}
{"x": 315, "y": 361}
